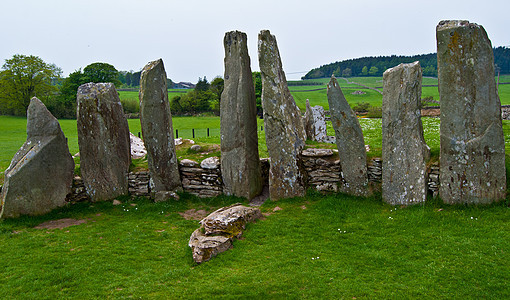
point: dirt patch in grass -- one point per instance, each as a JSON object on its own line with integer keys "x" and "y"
{"x": 193, "y": 214}
{"x": 59, "y": 224}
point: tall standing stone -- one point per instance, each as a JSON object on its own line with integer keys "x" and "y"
{"x": 284, "y": 129}
{"x": 103, "y": 138}
{"x": 315, "y": 123}
{"x": 349, "y": 141}
{"x": 472, "y": 158}
{"x": 240, "y": 164}
{"x": 41, "y": 173}
{"x": 404, "y": 151}
{"x": 157, "y": 129}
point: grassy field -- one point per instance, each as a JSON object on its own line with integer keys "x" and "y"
{"x": 318, "y": 246}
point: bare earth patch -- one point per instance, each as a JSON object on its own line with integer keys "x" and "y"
{"x": 62, "y": 223}
{"x": 193, "y": 214}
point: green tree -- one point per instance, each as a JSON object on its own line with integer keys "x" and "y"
{"x": 347, "y": 72}
{"x": 101, "y": 72}
{"x": 129, "y": 75}
{"x": 373, "y": 71}
{"x": 364, "y": 71}
{"x": 23, "y": 77}
{"x": 64, "y": 105}
{"x": 202, "y": 84}
{"x": 257, "y": 84}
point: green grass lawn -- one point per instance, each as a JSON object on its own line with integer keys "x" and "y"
{"x": 318, "y": 246}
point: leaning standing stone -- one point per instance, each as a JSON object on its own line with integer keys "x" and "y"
{"x": 404, "y": 151}
{"x": 472, "y": 159}
{"x": 103, "y": 138}
{"x": 349, "y": 141}
{"x": 284, "y": 129}
{"x": 240, "y": 164}
{"x": 41, "y": 173}
{"x": 157, "y": 129}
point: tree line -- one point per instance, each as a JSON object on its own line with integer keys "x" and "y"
{"x": 23, "y": 77}
{"x": 376, "y": 65}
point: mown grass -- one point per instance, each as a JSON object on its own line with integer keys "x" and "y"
{"x": 319, "y": 246}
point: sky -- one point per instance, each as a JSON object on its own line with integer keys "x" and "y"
{"x": 188, "y": 35}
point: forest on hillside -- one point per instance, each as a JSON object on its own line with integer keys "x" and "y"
{"x": 376, "y": 65}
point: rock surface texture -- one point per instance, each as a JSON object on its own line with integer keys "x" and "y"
{"x": 157, "y": 129}
{"x": 240, "y": 164}
{"x": 349, "y": 141}
{"x": 103, "y": 138}
{"x": 284, "y": 129}
{"x": 472, "y": 157}
{"x": 404, "y": 151}
{"x": 218, "y": 229}
{"x": 41, "y": 173}
{"x": 315, "y": 123}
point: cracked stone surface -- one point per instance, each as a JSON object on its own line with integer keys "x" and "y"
{"x": 41, "y": 172}
{"x": 404, "y": 151}
{"x": 103, "y": 138}
{"x": 472, "y": 154}
{"x": 283, "y": 123}
{"x": 349, "y": 141}
{"x": 240, "y": 164}
{"x": 157, "y": 129}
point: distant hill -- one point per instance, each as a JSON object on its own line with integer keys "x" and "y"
{"x": 376, "y": 65}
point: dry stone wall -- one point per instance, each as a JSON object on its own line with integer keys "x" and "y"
{"x": 322, "y": 168}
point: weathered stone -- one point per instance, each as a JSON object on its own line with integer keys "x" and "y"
{"x": 206, "y": 247}
{"x": 162, "y": 196}
{"x": 188, "y": 163}
{"x": 157, "y": 130}
{"x": 240, "y": 164}
{"x": 137, "y": 147}
{"x": 316, "y": 152}
{"x": 219, "y": 229}
{"x": 103, "y": 138}
{"x": 349, "y": 141}
{"x": 210, "y": 163}
{"x": 315, "y": 123}
{"x": 41, "y": 172}
{"x": 230, "y": 221}
{"x": 284, "y": 129}
{"x": 404, "y": 151}
{"x": 472, "y": 154}
{"x": 196, "y": 148}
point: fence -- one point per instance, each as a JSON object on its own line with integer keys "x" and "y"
{"x": 192, "y": 133}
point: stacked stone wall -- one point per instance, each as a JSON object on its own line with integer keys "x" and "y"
{"x": 322, "y": 170}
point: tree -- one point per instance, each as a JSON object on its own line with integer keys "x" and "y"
{"x": 23, "y": 77}
{"x": 373, "y": 71}
{"x": 202, "y": 85}
{"x": 364, "y": 71}
{"x": 101, "y": 72}
{"x": 129, "y": 75}
{"x": 217, "y": 86}
{"x": 64, "y": 105}
{"x": 347, "y": 72}
{"x": 257, "y": 84}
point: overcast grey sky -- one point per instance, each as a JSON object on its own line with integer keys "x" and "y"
{"x": 188, "y": 35}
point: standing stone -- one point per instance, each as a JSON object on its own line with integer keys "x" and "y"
{"x": 157, "y": 129}
{"x": 349, "y": 141}
{"x": 41, "y": 173}
{"x": 404, "y": 151}
{"x": 103, "y": 138}
{"x": 240, "y": 164}
{"x": 472, "y": 153}
{"x": 315, "y": 123}
{"x": 284, "y": 129}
